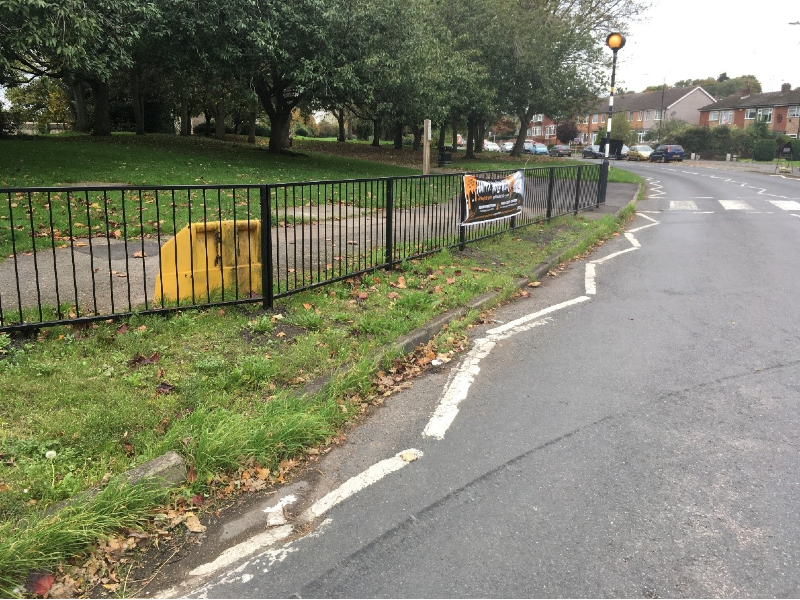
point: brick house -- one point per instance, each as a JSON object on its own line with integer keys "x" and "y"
{"x": 780, "y": 110}
{"x": 645, "y": 110}
{"x": 542, "y": 129}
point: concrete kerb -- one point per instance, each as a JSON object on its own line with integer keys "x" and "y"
{"x": 170, "y": 468}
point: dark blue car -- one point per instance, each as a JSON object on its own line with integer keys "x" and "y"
{"x": 666, "y": 153}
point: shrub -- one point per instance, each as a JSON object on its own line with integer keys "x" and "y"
{"x": 200, "y": 129}
{"x": 764, "y": 150}
{"x": 327, "y": 130}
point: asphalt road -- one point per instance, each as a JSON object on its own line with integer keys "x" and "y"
{"x": 629, "y": 431}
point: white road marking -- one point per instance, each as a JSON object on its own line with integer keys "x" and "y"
{"x": 633, "y": 240}
{"x": 786, "y": 204}
{"x": 616, "y": 254}
{"x": 648, "y": 218}
{"x": 246, "y": 548}
{"x": 682, "y": 205}
{"x": 589, "y": 281}
{"x": 357, "y": 483}
{"x": 735, "y": 205}
{"x": 643, "y": 227}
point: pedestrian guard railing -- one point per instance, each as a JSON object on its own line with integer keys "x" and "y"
{"x": 77, "y": 254}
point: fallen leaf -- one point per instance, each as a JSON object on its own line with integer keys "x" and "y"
{"x": 534, "y": 284}
{"x": 392, "y": 295}
{"x": 450, "y": 280}
{"x": 40, "y": 583}
{"x": 139, "y": 254}
{"x": 307, "y": 306}
{"x": 193, "y": 524}
{"x": 191, "y": 475}
{"x": 164, "y": 388}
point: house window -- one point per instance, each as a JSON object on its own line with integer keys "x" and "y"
{"x": 713, "y": 115}
{"x": 765, "y": 114}
{"x": 794, "y": 111}
{"x": 750, "y": 113}
{"x": 793, "y": 136}
{"x": 549, "y": 131}
{"x": 603, "y": 118}
{"x": 647, "y": 115}
{"x": 586, "y": 119}
{"x": 534, "y": 131}
{"x": 594, "y": 118}
{"x": 726, "y": 117}
{"x": 658, "y": 115}
{"x": 642, "y": 135}
{"x": 639, "y": 116}
{"x": 630, "y": 116}
{"x": 537, "y": 118}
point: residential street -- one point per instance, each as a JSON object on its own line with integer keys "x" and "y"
{"x": 630, "y": 430}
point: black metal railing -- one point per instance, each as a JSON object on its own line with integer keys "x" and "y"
{"x": 79, "y": 254}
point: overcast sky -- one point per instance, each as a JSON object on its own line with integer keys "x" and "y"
{"x": 692, "y": 39}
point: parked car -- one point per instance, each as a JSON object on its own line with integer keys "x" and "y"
{"x": 640, "y": 152}
{"x": 592, "y": 152}
{"x": 507, "y": 146}
{"x": 539, "y": 149}
{"x": 666, "y": 153}
{"x": 490, "y": 146}
{"x": 559, "y": 150}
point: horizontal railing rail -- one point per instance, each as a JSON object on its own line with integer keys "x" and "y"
{"x": 77, "y": 254}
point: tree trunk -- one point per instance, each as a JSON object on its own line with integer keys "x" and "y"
{"x": 442, "y": 135}
{"x": 219, "y": 121}
{"x": 376, "y": 132}
{"x": 398, "y": 136}
{"x": 455, "y": 135}
{"x": 470, "y": 142}
{"x": 102, "y": 108}
{"x": 480, "y": 137}
{"x": 340, "y": 119}
{"x": 206, "y": 113}
{"x": 138, "y": 101}
{"x": 186, "y": 118}
{"x": 524, "y": 120}
{"x": 251, "y": 134}
{"x": 417, "y": 131}
{"x": 79, "y": 96}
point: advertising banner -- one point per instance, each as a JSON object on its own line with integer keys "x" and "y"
{"x": 492, "y": 200}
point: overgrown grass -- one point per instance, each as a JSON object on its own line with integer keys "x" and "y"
{"x": 222, "y": 386}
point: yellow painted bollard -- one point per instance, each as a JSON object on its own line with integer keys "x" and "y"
{"x": 205, "y": 257}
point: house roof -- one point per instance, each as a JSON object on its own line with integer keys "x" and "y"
{"x": 649, "y": 100}
{"x": 790, "y": 98}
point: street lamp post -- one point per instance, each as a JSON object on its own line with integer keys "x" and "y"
{"x": 615, "y": 41}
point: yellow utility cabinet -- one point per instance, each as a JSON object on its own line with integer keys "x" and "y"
{"x": 205, "y": 257}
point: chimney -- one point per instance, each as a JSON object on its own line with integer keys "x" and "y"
{"x": 786, "y": 87}
{"x": 745, "y": 93}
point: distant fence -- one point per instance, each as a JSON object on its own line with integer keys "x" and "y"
{"x": 81, "y": 254}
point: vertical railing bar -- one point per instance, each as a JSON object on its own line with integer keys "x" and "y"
{"x": 141, "y": 235}
{"x": 72, "y": 254}
{"x": 125, "y": 243}
{"x": 158, "y": 241}
{"x": 91, "y": 252}
{"x": 108, "y": 249}
{"x": 55, "y": 264}
{"x": 266, "y": 247}
{"x": 220, "y": 243}
{"x": 191, "y": 246}
{"x": 14, "y": 252}
{"x": 36, "y": 256}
